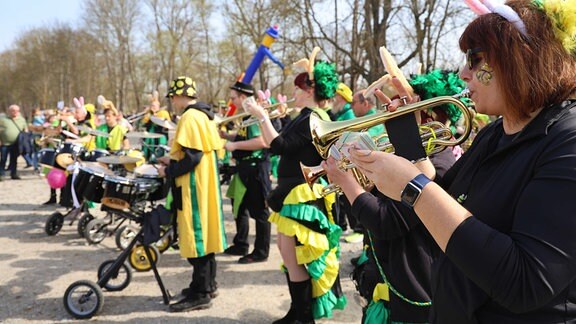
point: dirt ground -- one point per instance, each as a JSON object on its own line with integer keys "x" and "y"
{"x": 36, "y": 269}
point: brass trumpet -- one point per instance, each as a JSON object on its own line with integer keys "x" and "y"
{"x": 430, "y": 132}
{"x": 326, "y": 133}
{"x": 238, "y": 118}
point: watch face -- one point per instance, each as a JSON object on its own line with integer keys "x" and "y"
{"x": 410, "y": 194}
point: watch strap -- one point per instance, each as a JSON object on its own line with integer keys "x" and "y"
{"x": 413, "y": 190}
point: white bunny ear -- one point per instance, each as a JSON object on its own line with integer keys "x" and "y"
{"x": 155, "y": 95}
{"x": 267, "y": 93}
{"x": 101, "y": 100}
{"x": 81, "y": 99}
{"x": 261, "y": 95}
{"x": 76, "y": 103}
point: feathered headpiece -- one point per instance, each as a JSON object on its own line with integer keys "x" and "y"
{"x": 319, "y": 74}
{"x": 562, "y": 15}
{"x": 438, "y": 83}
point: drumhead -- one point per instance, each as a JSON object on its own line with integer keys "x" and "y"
{"x": 147, "y": 171}
{"x": 96, "y": 169}
{"x": 118, "y": 179}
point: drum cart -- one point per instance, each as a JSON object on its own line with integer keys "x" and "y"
{"x": 55, "y": 221}
{"x": 83, "y": 299}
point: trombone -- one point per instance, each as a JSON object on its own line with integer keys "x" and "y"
{"x": 238, "y": 118}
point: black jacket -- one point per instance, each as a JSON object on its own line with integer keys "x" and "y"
{"x": 514, "y": 261}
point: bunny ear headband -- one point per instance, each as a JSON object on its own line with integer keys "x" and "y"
{"x": 79, "y": 103}
{"x": 482, "y": 7}
{"x": 562, "y": 15}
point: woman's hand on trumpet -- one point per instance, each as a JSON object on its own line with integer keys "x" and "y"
{"x": 390, "y": 173}
{"x": 342, "y": 178}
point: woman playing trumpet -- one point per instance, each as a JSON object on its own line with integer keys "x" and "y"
{"x": 503, "y": 214}
{"x": 400, "y": 250}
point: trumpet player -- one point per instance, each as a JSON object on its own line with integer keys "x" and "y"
{"x": 398, "y": 243}
{"x": 303, "y": 217}
{"x": 250, "y": 184}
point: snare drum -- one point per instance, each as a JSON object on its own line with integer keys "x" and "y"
{"x": 150, "y": 172}
{"x": 121, "y": 192}
{"x": 67, "y": 153}
{"x": 47, "y": 157}
{"x": 89, "y": 183}
{"x": 93, "y": 155}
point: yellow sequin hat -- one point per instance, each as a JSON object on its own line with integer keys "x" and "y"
{"x": 182, "y": 86}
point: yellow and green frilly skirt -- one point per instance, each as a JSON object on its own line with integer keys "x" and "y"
{"x": 307, "y": 216}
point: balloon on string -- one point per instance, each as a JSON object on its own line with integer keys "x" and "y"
{"x": 56, "y": 178}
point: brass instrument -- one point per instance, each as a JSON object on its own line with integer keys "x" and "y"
{"x": 326, "y": 133}
{"x": 238, "y": 118}
{"x": 437, "y": 137}
{"x": 430, "y": 133}
{"x": 135, "y": 117}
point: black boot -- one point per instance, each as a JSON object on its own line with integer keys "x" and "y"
{"x": 52, "y": 199}
{"x": 210, "y": 275}
{"x": 290, "y": 317}
{"x": 198, "y": 295}
{"x": 303, "y": 301}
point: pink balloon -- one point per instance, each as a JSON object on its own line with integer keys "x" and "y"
{"x": 56, "y": 178}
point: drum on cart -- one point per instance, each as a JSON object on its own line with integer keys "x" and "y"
{"x": 150, "y": 172}
{"x": 89, "y": 182}
{"x": 122, "y": 192}
{"x": 67, "y": 153}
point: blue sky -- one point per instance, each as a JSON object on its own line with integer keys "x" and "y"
{"x": 18, "y": 16}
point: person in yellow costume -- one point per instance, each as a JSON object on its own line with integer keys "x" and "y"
{"x": 193, "y": 168}
{"x": 308, "y": 238}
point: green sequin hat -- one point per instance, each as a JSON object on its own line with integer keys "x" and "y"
{"x": 182, "y": 86}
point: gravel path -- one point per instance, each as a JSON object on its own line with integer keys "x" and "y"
{"x": 37, "y": 269}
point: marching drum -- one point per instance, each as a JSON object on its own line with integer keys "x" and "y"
{"x": 150, "y": 171}
{"x": 47, "y": 157}
{"x": 121, "y": 193}
{"x": 67, "y": 153}
{"x": 89, "y": 183}
{"x": 93, "y": 155}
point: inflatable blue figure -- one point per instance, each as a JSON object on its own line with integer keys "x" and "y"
{"x": 264, "y": 50}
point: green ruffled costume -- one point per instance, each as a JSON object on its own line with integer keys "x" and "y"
{"x": 318, "y": 249}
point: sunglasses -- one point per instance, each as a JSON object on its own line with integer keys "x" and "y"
{"x": 472, "y": 58}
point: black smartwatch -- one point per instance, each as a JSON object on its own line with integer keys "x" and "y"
{"x": 413, "y": 190}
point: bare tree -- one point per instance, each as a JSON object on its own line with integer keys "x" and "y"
{"x": 113, "y": 22}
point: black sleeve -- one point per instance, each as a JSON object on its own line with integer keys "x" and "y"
{"x": 187, "y": 164}
{"x": 385, "y": 218}
{"x": 292, "y": 142}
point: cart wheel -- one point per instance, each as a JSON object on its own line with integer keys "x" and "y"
{"x": 165, "y": 241}
{"x": 119, "y": 280}
{"x": 96, "y": 231}
{"x": 83, "y": 299}
{"x": 138, "y": 259}
{"x": 125, "y": 235}
{"x": 83, "y": 222}
{"x": 54, "y": 223}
